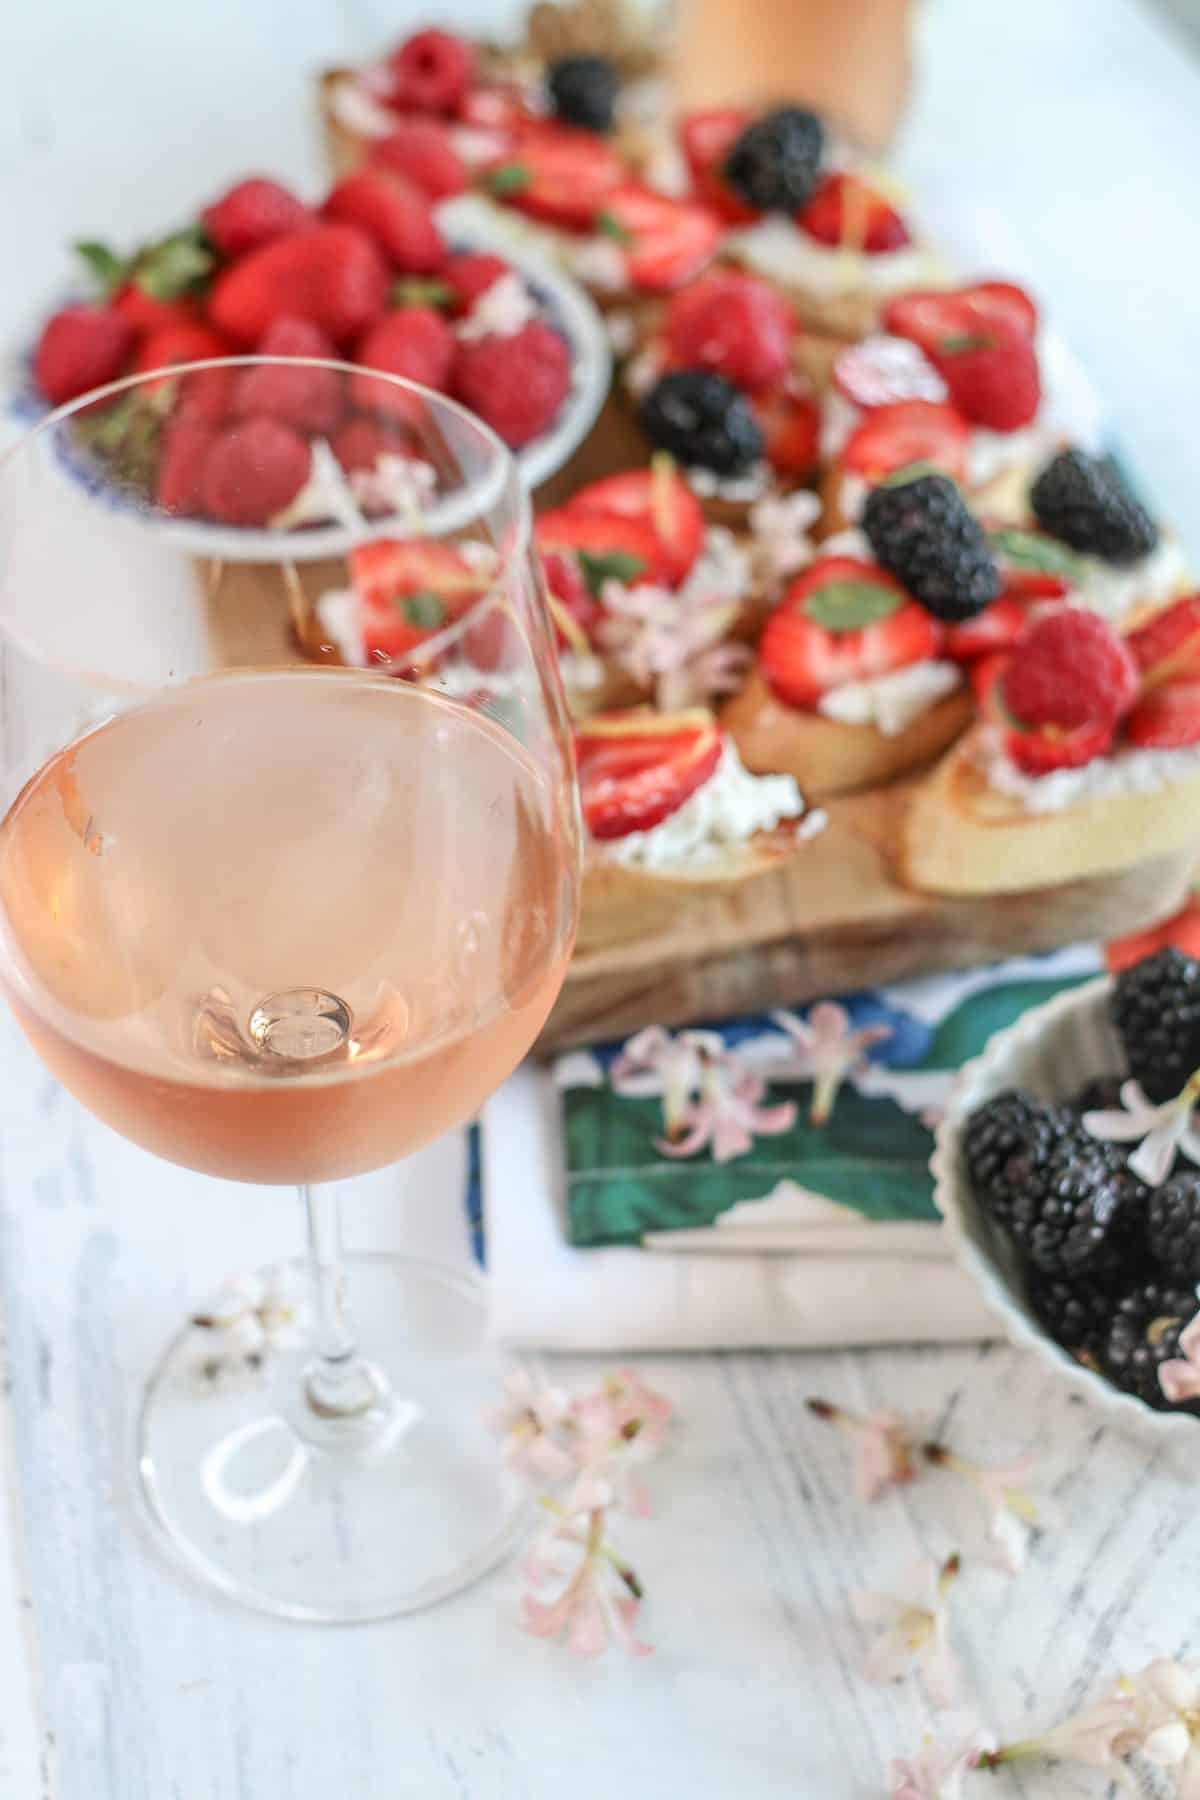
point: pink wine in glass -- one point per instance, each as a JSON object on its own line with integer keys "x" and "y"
{"x": 261, "y": 928}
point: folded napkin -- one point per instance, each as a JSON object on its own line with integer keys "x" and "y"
{"x": 815, "y": 1235}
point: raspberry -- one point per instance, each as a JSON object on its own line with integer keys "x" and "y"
{"x": 734, "y": 324}
{"x": 310, "y": 400}
{"x": 991, "y": 371}
{"x": 395, "y": 213}
{"x": 1155, "y": 1008}
{"x": 423, "y": 151}
{"x": 252, "y": 213}
{"x": 431, "y": 71}
{"x": 81, "y": 347}
{"x": 1071, "y": 668}
{"x": 516, "y": 384}
{"x": 413, "y": 341}
{"x": 253, "y": 470}
{"x": 359, "y": 443}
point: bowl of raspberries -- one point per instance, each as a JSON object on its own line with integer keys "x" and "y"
{"x": 376, "y": 275}
{"x": 1068, "y": 1171}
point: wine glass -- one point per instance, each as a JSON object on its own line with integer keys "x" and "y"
{"x": 289, "y": 875}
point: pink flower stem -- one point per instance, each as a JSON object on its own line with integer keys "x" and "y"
{"x": 825, "y": 1093}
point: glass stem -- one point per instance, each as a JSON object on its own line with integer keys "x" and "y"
{"x": 339, "y": 1383}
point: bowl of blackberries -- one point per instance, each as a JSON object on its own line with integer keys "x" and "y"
{"x": 1068, "y": 1171}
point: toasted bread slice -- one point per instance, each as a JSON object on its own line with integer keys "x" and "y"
{"x": 621, "y": 903}
{"x": 961, "y": 836}
{"x": 827, "y": 757}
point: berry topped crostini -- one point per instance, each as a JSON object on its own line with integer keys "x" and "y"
{"x": 1086, "y": 758}
{"x": 671, "y": 816}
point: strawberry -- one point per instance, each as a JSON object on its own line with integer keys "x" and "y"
{"x": 659, "y": 497}
{"x": 842, "y": 620}
{"x": 394, "y": 213}
{"x": 879, "y": 371}
{"x": 927, "y": 316}
{"x": 1048, "y": 747}
{"x": 422, "y": 150}
{"x": 205, "y": 394}
{"x": 1168, "y": 645}
{"x": 574, "y": 609}
{"x": 516, "y": 384}
{"x": 997, "y": 627}
{"x": 558, "y": 174}
{"x": 909, "y": 431}
{"x": 359, "y": 443}
{"x": 1033, "y": 565}
{"x": 81, "y": 347}
{"x": 331, "y": 274}
{"x": 498, "y": 110}
{"x": 791, "y": 428}
{"x": 179, "y": 344}
{"x": 470, "y": 273}
{"x": 413, "y": 341}
{"x": 706, "y": 139}
{"x": 665, "y": 241}
{"x": 1069, "y": 669}
{"x": 310, "y": 400}
{"x": 738, "y": 325}
{"x": 252, "y": 471}
{"x": 605, "y": 546}
{"x": 986, "y": 675}
{"x": 843, "y": 209}
{"x": 253, "y": 213}
{"x": 991, "y": 370}
{"x": 410, "y": 589}
{"x": 995, "y": 299}
{"x": 1182, "y": 930}
{"x": 430, "y": 72}
{"x": 1167, "y": 717}
{"x": 637, "y": 769}
{"x": 146, "y": 313}
{"x": 179, "y": 480}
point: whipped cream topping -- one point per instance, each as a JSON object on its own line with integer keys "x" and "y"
{"x": 478, "y": 145}
{"x": 730, "y": 808}
{"x": 1116, "y": 589}
{"x": 992, "y": 453}
{"x": 895, "y": 357}
{"x": 776, "y": 247}
{"x": 502, "y": 309}
{"x": 338, "y": 616}
{"x": 643, "y": 370}
{"x": 781, "y": 533}
{"x": 1127, "y": 770}
{"x": 852, "y": 491}
{"x": 600, "y": 263}
{"x": 735, "y": 488}
{"x": 891, "y": 702}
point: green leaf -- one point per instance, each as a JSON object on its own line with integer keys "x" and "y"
{"x": 913, "y": 471}
{"x": 1030, "y": 550}
{"x": 613, "y": 227}
{"x": 106, "y": 267}
{"x": 849, "y": 605}
{"x": 176, "y": 264}
{"x": 424, "y": 609}
{"x": 956, "y": 342}
{"x": 412, "y": 291}
{"x": 609, "y": 565}
{"x": 509, "y": 178}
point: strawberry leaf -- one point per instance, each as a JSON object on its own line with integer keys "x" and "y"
{"x": 424, "y": 609}
{"x": 956, "y": 343}
{"x": 509, "y": 178}
{"x": 104, "y": 265}
{"x": 851, "y": 605}
{"x": 611, "y": 565}
{"x": 611, "y": 226}
{"x": 412, "y": 291}
{"x": 176, "y": 264}
{"x": 1029, "y": 550}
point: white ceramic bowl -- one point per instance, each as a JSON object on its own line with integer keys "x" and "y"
{"x": 1051, "y": 1050}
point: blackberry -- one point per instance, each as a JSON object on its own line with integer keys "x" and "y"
{"x": 703, "y": 420}
{"x": 1071, "y": 1206}
{"x": 1084, "y": 501}
{"x": 583, "y": 91}
{"x": 1075, "y": 1313}
{"x": 1005, "y": 1126}
{"x": 1103, "y": 1094}
{"x": 1173, "y": 1226}
{"x": 1142, "y": 1335}
{"x": 1156, "y": 1011}
{"x": 922, "y": 531}
{"x": 775, "y": 163}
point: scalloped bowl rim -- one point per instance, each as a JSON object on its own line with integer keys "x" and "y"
{"x": 975, "y": 1082}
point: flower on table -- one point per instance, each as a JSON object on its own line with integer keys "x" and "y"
{"x": 252, "y": 1315}
{"x": 1179, "y": 1377}
{"x": 825, "y": 1047}
{"x": 1167, "y": 1693}
{"x": 600, "y": 1595}
{"x": 1154, "y": 1712}
{"x": 532, "y": 1422}
{"x": 1164, "y": 1130}
{"x": 886, "y": 1446}
{"x": 1014, "y": 1510}
{"x": 620, "y": 1427}
{"x": 937, "y": 1769}
{"x": 912, "y": 1630}
{"x": 710, "y": 1098}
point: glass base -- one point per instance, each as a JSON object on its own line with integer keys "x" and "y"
{"x": 337, "y": 1520}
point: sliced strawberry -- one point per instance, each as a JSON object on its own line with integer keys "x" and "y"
{"x": 992, "y": 372}
{"x": 882, "y": 370}
{"x": 410, "y": 589}
{"x": 706, "y": 139}
{"x": 1005, "y": 299}
{"x": 909, "y": 431}
{"x": 1168, "y": 645}
{"x": 497, "y": 108}
{"x": 558, "y": 174}
{"x": 665, "y": 241}
{"x": 927, "y": 316}
{"x": 635, "y": 771}
{"x": 842, "y": 620}
{"x": 844, "y": 209}
{"x": 1166, "y": 718}
{"x": 660, "y": 498}
{"x": 1034, "y": 565}
{"x": 605, "y": 546}
{"x": 997, "y": 627}
{"x": 576, "y": 613}
{"x": 986, "y": 675}
{"x": 791, "y": 428}
{"x": 1042, "y": 749}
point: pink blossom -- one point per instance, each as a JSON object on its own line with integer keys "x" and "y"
{"x": 936, "y": 1771}
{"x": 1013, "y": 1509}
{"x": 1179, "y": 1378}
{"x": 1164, "y": 1129}
{"x": 886, "y": 1447}
{"x": 672, "y": 644}
{"x": 710, "y": 1098}
{"x": 532, "y": 1421}
{"x": 621, "y": 1426}
{"x": 656, "y": 1061}
{"x": 600, "y": 1597}
{"x": 911, "y": 1630}
{"x": 1101, "y": 1734}
{"x": 825, "y": 1049}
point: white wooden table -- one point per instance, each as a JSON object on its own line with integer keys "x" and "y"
{"x": 120, "y": 1682}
